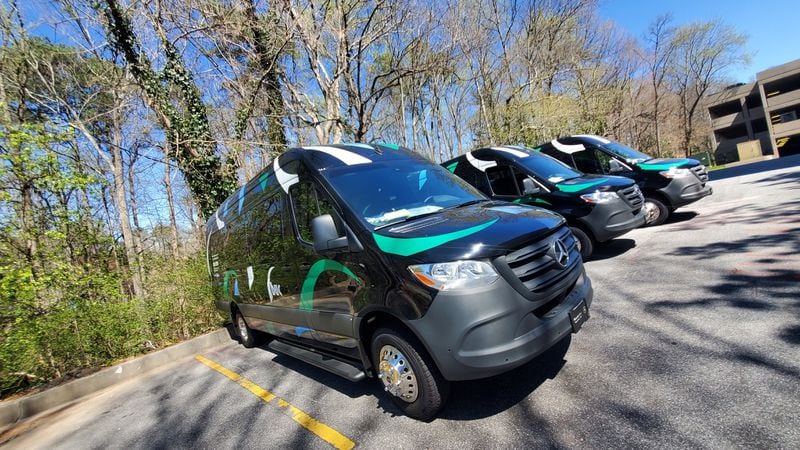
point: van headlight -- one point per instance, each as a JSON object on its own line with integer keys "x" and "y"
{"x": 599, "y": 197}
{"x": 455, "y": 275}
{"x": 674, "y": 172}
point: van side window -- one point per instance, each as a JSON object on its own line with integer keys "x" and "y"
{"x": 566, "y": 158}
{"x": 503, "y": 181}
{"x": 588, "y": 162}
{"x": 309, "y": 203}
{"x": 473, "y": 176}
{"x": 268, "y": 226}
{"x": 604, "y": 159}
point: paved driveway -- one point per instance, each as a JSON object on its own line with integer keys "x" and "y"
{"x": 694, "y": 341}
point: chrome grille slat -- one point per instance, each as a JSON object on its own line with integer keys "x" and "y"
{"x": 701, "y": 173}
{"x": 538, "y": 276}
{"x": 632, "y": 195}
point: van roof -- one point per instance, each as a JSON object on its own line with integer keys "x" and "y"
{"x": 318, "y": 156}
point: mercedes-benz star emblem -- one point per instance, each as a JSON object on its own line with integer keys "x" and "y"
{"x": 559, "y": 253}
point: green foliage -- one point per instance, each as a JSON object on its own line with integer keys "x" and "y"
{"x": 64, "y": 308}
{"x": 75, "y": 320}
{"x": 176, "y": 98}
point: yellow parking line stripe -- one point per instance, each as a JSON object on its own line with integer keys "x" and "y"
{"x": 326, "y": 433}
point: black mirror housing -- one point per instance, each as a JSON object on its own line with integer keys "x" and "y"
{"x": 326, "y": 238}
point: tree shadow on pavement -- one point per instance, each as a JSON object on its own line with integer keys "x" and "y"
{"x": 761, "y": 166}
{"x": 781, "y": 178}
{"x": 611, "y": 249}
{"x": 680, "y": 216}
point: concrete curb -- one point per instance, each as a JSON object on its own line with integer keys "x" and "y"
{"x": 22, "y": 408}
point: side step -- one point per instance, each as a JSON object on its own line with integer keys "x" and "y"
{"x": 333, "y": 365}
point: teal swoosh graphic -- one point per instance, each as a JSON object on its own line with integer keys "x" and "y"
{"x": 307, "y": 291}
{"x": 579, "y": 186}
{"x": 410, "y": 246}
{"x": 654, "y": 167}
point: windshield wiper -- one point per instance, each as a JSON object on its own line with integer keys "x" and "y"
{"x": 469, "y": 202}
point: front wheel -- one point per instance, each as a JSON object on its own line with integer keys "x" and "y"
{"x": 655, "y": 212}
{"x": 585, "y": 245}
{"x": 408, "y": 376}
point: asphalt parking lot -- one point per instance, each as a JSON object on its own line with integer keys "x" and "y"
{"x": 694, "y": 341}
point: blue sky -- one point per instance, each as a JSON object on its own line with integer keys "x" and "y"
{"x": 772, "y": 26}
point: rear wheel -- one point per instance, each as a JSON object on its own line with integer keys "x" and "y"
{"x": 585, "y": 244}
{"x": 245, "y": 334}
{"x": 655, "y": 211}
{"x": 408, "y": 375}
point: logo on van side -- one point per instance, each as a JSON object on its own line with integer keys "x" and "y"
{"x": 273, "y": 290}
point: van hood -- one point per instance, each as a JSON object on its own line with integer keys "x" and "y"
{"x": 484, "y": 230}
{"x": 666, "y": 164}
{"x": 591, "y": 183}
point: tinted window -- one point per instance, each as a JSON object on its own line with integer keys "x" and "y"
{"x": 382, "y": 193}
{"x": 309, "y": 203}
{"x": 473, "y": 176}
{"x": 502, "y": 181}
{"x": 586, "y": 161}
{"x": 268, "y": 222}
{"x": 549, "y": 150}
{"x": 628, "y": 154}
{"x": 548, "y": 168}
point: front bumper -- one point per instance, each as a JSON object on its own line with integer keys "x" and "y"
{"x": 610, "y": 220}
{"x": 493, "y": 329}
{"x": 682, "y": 191}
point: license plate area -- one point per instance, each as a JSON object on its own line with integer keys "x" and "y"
{"x": 578, "y": 315}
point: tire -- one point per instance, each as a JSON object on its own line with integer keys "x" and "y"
{"x": 411, "y": 373}
{"x": 585, "y": 243}
{"x": 655, "y": 211}
{"x": 243, "y": 332}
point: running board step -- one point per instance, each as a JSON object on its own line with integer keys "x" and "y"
{"x": 333, "y": 365}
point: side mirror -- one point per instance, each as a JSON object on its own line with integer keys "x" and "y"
{"x": 326, "y": 238}
{"x": 529, "y": 187}
{"x": 615, "y": 166}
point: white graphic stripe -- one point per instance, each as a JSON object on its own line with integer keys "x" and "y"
{"x": 478, "y": 163}
{"x": 344, "y": 156}
{"x": 286, "y": 180}
{"x": 567, "y": 148}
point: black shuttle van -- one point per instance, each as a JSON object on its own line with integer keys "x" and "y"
{"x": 667, "y": 184}
{"x": 597, "y": 208}
{"x": 372, "y": 261}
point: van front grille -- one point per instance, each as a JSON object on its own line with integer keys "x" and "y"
{"x": 535, "y": 272}
{"x": 633, "y": 196}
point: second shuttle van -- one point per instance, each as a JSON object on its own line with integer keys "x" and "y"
{"x": 597, "y": 208}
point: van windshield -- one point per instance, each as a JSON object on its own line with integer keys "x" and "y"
{"x": 623, "y": 151}
{"x": 548, "y": 168}
{"x": 383, "y": 194}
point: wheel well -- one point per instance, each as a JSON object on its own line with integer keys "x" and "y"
{"x": 380, "y": 319}
{"x": 660, "y": 197}
{"x": 582, "y": 227}
{"x": 234, "y": 308}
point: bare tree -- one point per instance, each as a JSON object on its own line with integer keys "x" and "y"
{"x": 704, "y": 52}
{"x": 659, "y": 57}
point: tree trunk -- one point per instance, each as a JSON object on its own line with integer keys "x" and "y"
{"x": 137, "y": 229}
{"x": 173, "y": 224}
{"x": 122, "y": 212}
